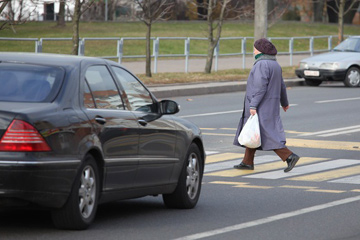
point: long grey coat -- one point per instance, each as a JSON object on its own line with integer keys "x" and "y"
{"x": 265, "y": 91}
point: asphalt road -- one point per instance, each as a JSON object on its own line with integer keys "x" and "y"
{"x": 319, "y": 199}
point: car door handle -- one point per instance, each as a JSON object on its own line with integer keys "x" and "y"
{"x": 142, "y": 122}
{"x": 100, "y": 120}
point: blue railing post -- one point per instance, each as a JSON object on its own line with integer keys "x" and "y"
{"x": 243, "y": 51}
{"x": 81, "y": 47}
{"x": 291, "y": 50}
{"x": 38, "y": 45}
{"x": 330, "y": 42}
{"x": 311, "y": 46}
{"x": 187, "y": 53}
{"x": 120, "y": 48}
{"x": 216, "y": 52}
{"x": 155, "y": 53}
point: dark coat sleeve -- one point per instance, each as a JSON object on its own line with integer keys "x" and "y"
{"x": 260, "y": 84}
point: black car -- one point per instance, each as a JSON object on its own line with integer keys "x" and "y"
{"x": 79, "y": 131}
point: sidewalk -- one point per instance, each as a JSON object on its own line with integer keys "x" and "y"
{"x": 198, "y": 65}
{"x": 178, "y": 90}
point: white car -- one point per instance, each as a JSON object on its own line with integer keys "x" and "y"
{"x": 341, "y": 64}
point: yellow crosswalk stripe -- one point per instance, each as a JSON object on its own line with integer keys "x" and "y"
{"x": 253, "y": 186}
{"x": 223, "y": 157}
{"x": 297, "y": 187}
{"x": 294, "y": 132}
{"x": 229, "y": 183}
{"x": 336, "y": 145}
{"x": 306, "y": 143}
{"x": 325, "y": 191}
{"x": 241, "y": 185}
{"x": 333, "y": 174}
{"x": 263, "y": 168}
{"x": 219, "y": 134}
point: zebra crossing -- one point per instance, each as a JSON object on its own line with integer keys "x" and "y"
{"x": 308, "y": 169}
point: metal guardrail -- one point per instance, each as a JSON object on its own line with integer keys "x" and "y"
{"x": 187, "y": 54}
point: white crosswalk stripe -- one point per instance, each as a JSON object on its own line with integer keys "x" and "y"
{"x": 224, "y": 165}
{"x": 333, "y": 132}
{"x": 310, "y": 169}
{"x": 350, "y": 180}
{"x": 318, "y": 167}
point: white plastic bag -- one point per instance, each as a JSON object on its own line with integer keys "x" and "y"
{"x": 250, "y": 134}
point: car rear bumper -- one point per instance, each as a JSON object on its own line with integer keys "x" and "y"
{"x": 324, "y": 75}
{"x": 45, "y": 183}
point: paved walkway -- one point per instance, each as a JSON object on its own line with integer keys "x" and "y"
{"x": 198, "y": 64}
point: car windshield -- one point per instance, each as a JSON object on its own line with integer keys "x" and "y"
{"x": 29, "y": 83}
{"x": 349, "y": 45}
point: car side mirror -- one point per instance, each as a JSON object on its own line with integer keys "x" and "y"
{"x": 169, "y": 107}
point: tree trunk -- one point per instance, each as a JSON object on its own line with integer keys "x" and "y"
{"x": 318, "y": 10}
{"x": 148, "y": 50}
{"x": 341, "y": 21}
{"x": 201, "y": 10}
{"x": 261, "y": 13}
{"x": 210, "y": 54}
{"x": 75, "y": 23}
{"x": 61, "y": 18}
{"x": 210, "y": 57}
{"x": 214, "y": 41}
{"x": 3, "y": 5}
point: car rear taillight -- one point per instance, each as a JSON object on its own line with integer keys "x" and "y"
{"x": 23, "y": 137}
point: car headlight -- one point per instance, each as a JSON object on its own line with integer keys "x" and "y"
{"x": 303, "y": 65}
{"x": 330, "y": 66}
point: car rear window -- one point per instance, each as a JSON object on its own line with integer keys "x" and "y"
{"x": 29, "y": 83}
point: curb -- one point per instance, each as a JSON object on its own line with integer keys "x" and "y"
{"x": 181, "y": 90}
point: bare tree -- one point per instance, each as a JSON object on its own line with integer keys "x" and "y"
{"x": 149, "y": 12}
{"x": 277, "y": 10}
{"x": 213, "y": 41}
{"x": 3, "y": 4}
{"x": 217, "y": 11}
{"x": 341, "y": 11}
{"x": 319, "y": 11}
{"x": 16, "y": 12}
{"x": 98, "y": 9}
{"x": 61, "y": 16}
{"x": 80, "y": 7}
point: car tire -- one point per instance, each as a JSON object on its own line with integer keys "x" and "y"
{"x": 79, "y": 211}
{"x": 352, "y": 78}
{"x": 187, "y": 192}
{"x": 313, "y": 83}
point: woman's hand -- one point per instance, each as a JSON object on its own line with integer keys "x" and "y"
{"x": 252, "y": 111}
{"x": 286, "y": 108}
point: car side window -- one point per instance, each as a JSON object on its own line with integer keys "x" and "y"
{"x": 103, "y": 88}
{"x": 138, "y": 96}
{"x": 88, "y": 98}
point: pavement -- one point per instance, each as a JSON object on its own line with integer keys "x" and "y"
{"x": 178, "y": 90}
{"x": 198, "y": 65}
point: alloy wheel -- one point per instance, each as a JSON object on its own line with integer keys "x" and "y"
{"x": 193, "y": 176}
{"x": 87, "y": 192}
{"x": 354, "y": 77}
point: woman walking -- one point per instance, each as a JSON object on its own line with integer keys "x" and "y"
{"x": 265, "y": 92}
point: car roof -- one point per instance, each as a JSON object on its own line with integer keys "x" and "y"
{"x": 47, "y": 58}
